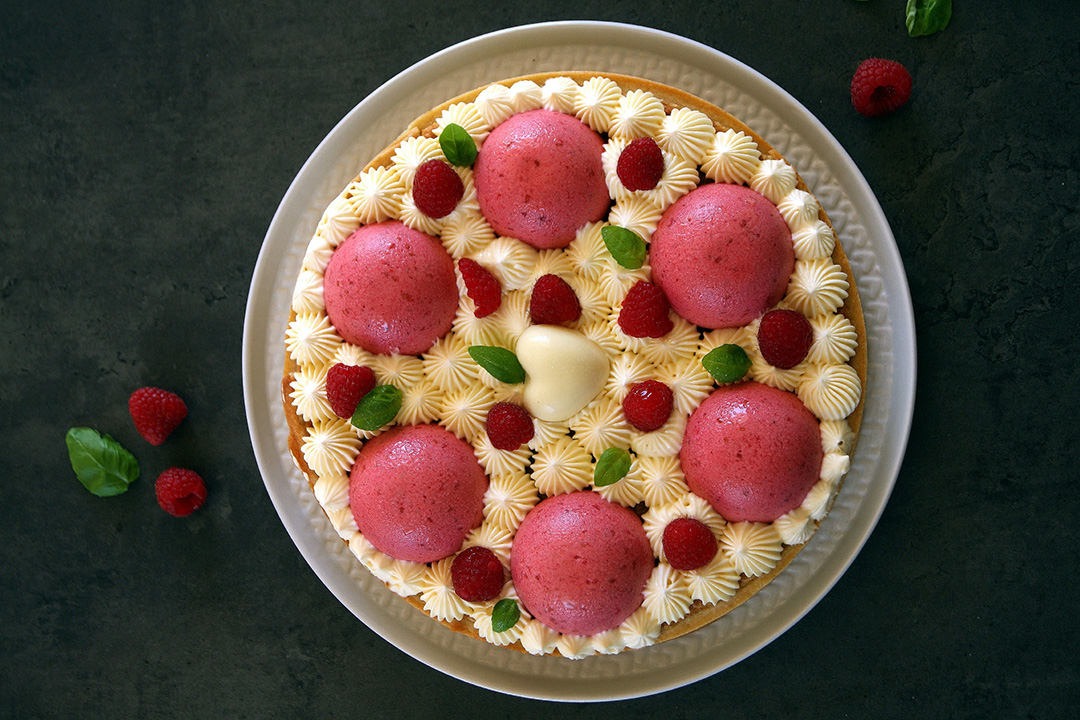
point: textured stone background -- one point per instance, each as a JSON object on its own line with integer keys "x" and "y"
{"x": 144, "y": 147}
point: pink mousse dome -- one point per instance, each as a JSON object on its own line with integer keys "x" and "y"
{"x": 416, "y": 491}
{"x": 722, "y": 254}
{"x": 539, "y": 178}
{"x": 752, "y": 451}
{"x": 580, "y": 563}
{"x": 391, "y": 289}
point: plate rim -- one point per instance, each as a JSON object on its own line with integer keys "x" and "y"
{"x": 690, "y": 52}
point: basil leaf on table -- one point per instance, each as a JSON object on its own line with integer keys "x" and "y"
{"x": 102, "y": 465}
{"x": 926, "y": 17}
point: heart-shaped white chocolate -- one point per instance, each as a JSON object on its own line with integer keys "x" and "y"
{"x": 564, "y": 371}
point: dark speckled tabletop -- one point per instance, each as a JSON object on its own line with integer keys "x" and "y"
{"x": 144, "y": 148}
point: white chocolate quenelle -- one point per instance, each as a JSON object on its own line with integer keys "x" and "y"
{"x": 565, "y": 371}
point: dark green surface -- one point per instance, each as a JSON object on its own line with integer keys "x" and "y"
{"x": 144, "y": 147}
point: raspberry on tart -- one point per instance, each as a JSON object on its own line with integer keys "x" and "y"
{"x": 688, "y": 544}
{"x": 784, "y": 338}
{"x": 641, "y": 164}
{"x": 346, "y": 386}
{"x": 477, "y": 574}
{"x": 648, "y": 404}
{"x": 437, "y": 188}
{"x": 481, "y": 286}
{"x": 509, "y": 426}
{"x": 644, "y": 312}
{"x": 553, "y": 302}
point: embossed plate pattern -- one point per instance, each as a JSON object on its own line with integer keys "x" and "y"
{"x": 861, "y": 227}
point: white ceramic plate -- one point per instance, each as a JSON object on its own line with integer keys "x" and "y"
{"x": 861, "y": 227}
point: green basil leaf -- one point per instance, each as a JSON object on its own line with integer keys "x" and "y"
{"x": 612, "y": 467}
{"x": 457, "y": 145}
{"x": 726, "y": 363}
{"x": 926, "y": 17}
{"x": 377, "y": 408}
{"x": 625, "y": 245}
{"x": 500, "y": 362}
{"x": 504, "y": 615}
{"x": 102, "y": 465}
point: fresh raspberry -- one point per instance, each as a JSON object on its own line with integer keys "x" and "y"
{"x": 688, "y": 544}
{"x": 481, "y": 286}
{"x": 346, "y": 385}
{"x": 509, "y": 426}
{"x": 553, "y": 302}
{"x": 784, "y": 338}
{"x": 437, "y": 188}
{"x": 156, "y": 413}
{"x": 645, "y": 312}
{"x": 477, "y": 574}
{"x": 880, "y": 86}
{"x": 648, "y": 405}
{"x": 641, "y": 164}
{"x": 179, "y": 491}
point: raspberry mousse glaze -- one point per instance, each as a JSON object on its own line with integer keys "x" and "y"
{"x": 728, "y": 232}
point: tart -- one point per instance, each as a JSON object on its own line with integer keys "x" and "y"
{"x": 730, "y": 245}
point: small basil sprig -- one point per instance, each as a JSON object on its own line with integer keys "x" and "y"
{"x": 726, "y": 363}
{"x": 612, "y": 467}
{"x": 926, "y": 17}
{"x": 505, "y": 615}
{"x": 102, "y": 465}
{"x": 377, "y": 408}
{"x": 625, "y": 245}
{"x": 457, "y": 145}
{"x": 500, "y": 362}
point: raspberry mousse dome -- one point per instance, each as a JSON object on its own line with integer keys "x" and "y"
{"x": 723, "y": 255}
{"x": 540, "y": 178}
{"x": 752, "y": 451}
{"x": 416, "y": 491}
{"x": 391, "y": 289}
{"x": 580, "y": 563}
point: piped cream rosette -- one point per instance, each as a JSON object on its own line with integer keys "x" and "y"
{"x": 700, "y": 143}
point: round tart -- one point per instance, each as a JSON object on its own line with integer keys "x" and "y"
{"x": 717, "y": 226}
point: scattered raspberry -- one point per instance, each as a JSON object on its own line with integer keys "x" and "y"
{"x": 477, "y": 574}
{"x": 645, "y": 312}
{"x": 784, "y": 338}
{"x": 481, "y": 286}
{"x": 880, "y": 86}
{"x": 180, "y": 492}
{"x": 437, "y": 188}
{"x": 641, "y": 164}
{"x": 346, "y": 385}
{"x": 553, "y": 302}
{"x": 648, "y": 405}
{"x": 509, "y": 426}
{"x": 688, "y": 544}
{"x": 156, "y": 413}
